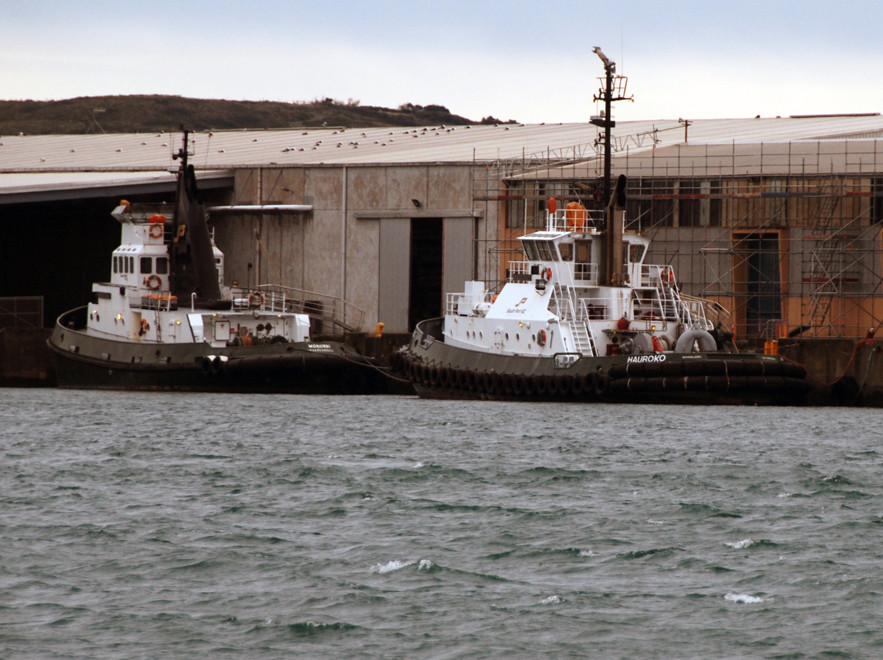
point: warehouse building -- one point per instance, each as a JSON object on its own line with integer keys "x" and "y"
{"x": 779, "y": 219}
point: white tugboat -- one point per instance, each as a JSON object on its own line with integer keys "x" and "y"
{"x": 583, "y": 317}
{"x": 165, "y": 320}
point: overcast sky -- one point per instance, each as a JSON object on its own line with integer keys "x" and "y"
{"x": 512, "y": 59}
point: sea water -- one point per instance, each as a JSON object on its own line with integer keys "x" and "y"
{"x": 139, "y": 525}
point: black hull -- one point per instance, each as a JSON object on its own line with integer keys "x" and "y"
{"x": 289, "y": 376}
{"x": 300, "y": 368}
{"x": 439, "y": 371}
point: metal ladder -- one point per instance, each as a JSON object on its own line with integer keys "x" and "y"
{"x": 583, "y": 340}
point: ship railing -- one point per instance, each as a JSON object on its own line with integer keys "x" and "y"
{"x": 332, "y": 315}
{"x": 521, "y": 271}
{"x": 139, "y": 297}
{"x": 705, "y": 314}
{"x": 652, "y": 275}
{"x": 586, "y": 273}
{"x": 574, "y": 311}
{"x": 576, "y": 219}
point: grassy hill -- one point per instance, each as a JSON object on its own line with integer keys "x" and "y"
{"x": 136, "y": 114}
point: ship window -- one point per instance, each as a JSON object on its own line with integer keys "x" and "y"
{"x": 162, "y": 265}
{"x": 636, "y": 253}
{"x": 146, "y": 265}
{"x": 116, "y": 264}
{"x": 530, "y": 249}
{"x": 545, "y": 249}
{"x": 566, "y": 251}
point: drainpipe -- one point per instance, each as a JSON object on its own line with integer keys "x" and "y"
{"x": 343, "y": 214}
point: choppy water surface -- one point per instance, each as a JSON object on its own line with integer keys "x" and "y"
{"x": 180, "y": 525}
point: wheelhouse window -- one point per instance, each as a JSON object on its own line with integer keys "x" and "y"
{"x": 546, "y": 250}
{"x": 162, "y": 265}
{"x": 123, "y": 264}
{"x": 530, "y": 250}
{"x": 146, "y": 265}
{"x": 636, "y": 253}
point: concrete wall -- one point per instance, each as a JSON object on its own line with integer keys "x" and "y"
{"x": 336, "y": 249}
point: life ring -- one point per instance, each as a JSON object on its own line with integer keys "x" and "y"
{"x": 541, "y": 338}
{"x": 154, "y": 282}
{"x": 256, "y": 300}
{"x": 156, "y": 231}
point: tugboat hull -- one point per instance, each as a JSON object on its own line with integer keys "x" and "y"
{"x": 440, "y": 371}
{"x": 84, "y": 362}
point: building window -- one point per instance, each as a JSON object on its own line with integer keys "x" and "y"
{"x": 699, "y": 203}
{"x": 877, "y": 202}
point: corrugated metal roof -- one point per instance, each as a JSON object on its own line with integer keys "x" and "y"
{"x": 43, "y": 186}
{"x": 805, "y": 158}
{"x": 431, "y": 144}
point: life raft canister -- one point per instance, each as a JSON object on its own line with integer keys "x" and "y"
{"x": 575, "y": 215}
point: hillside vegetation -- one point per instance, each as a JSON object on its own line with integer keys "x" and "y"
{"x": 136, "y": 114}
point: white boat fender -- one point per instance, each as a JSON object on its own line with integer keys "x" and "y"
{"x": 685, "y": 342}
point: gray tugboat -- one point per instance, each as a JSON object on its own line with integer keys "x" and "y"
{"x": 584, "y": 318}
{"x": 165, "y": 320}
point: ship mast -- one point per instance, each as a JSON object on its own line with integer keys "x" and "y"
{"x": 614, "y": 89}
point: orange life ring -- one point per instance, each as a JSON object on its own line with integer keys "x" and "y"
{"x": 156, "y": 231}
{"x": 154, "y": 282}
{"x": 541, "y": 338}
{"x": 259, "y": 297}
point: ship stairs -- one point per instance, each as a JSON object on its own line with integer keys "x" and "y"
{"x": 577, "y": 316}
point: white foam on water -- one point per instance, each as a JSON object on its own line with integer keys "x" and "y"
{"x": 424, "y": 565}
{"x": 390, "y": 566}
{"x": 554, "y": 599}
{"x": 586, "y": 553}
{"x": 742, "y": 598}
{"x": 741, "y": 545}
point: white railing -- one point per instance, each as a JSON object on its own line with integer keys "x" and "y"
{"x": 341, "y": 314}
{"x": 580, "y": 220}
{"x": 519, "y": 271}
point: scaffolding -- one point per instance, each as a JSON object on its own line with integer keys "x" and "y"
{"x": 786, "y": 235}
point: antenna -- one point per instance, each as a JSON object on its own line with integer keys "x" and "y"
{"x": 614, "y": 89}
